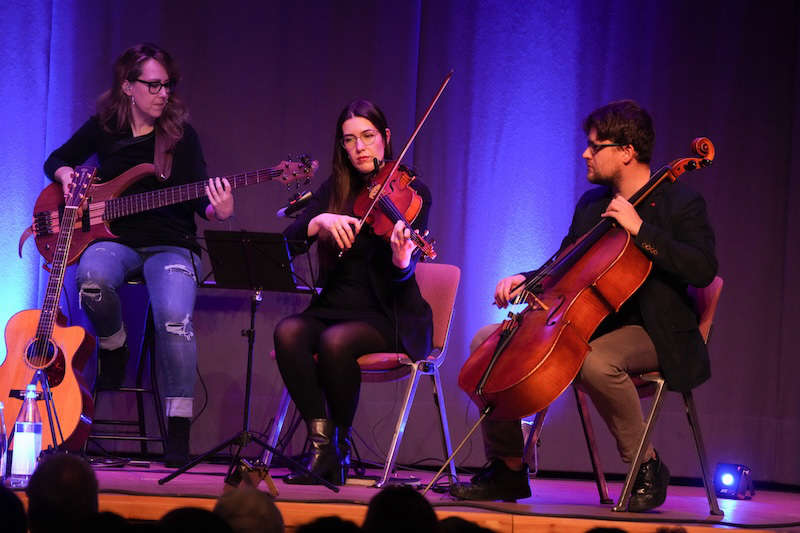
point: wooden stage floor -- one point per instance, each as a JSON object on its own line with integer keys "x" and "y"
{"x": 556, "y": 505}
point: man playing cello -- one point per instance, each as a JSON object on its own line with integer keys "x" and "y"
{"x": 656, "y": 329}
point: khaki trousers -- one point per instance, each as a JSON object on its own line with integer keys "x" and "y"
{"x": 605, "y": 375}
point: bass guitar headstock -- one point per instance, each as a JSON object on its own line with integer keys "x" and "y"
{"x": 298, "y": 169}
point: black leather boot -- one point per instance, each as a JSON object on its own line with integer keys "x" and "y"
{"x": 324, "y": 460}
{"x": 650, "y": 489}
{"x": 111, "y": 365}
{"x": 495, "y": 482}
{"x": 176, "y": 451}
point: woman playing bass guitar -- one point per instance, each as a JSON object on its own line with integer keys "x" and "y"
{"x": 655, "y": 329}
{"x": 141, "y": 119}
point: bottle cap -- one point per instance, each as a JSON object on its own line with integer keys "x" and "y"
{"x": 30, "y": 391}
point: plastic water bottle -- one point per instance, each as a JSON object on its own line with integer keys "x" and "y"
{"x": 27, "y": 440}
{"x": 3, "y": 443}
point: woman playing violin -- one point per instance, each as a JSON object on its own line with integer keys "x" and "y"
{"x": 370, "y": 301}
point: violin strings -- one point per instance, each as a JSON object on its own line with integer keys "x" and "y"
{"x": 394, "y": 214}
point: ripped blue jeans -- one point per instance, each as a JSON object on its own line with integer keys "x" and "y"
{"x": 169, "y": 274}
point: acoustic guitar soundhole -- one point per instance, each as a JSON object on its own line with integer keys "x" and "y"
{"x": 52, "y": 361}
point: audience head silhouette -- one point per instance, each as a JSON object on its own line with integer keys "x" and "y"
{"x": 249, "y": 510}
{"x": 193, "y": 520}
{"x": 399, "y": 509}
{"x": 329, "y": 524}
{"x": 62, "y": 494}
{"x": 12, "y": 511}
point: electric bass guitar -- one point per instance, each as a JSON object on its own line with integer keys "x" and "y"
{"x": 36, "y": 339}
{"x": 104, "y": 203}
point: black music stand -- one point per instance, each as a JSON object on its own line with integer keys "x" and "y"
{"x": 257, "y": 262}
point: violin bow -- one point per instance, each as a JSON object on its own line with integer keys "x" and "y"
{"x": 408, "y": 145}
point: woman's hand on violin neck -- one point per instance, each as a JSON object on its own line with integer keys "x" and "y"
{"x": 624, "y": 213}
{"x": 341, "y": 228}
{"x": 504, "y": 291}
{"x": 402, "y": 245}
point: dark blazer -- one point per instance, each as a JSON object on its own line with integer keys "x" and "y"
{"x": 677, "y": 237}
{"x": 396, "y": 288}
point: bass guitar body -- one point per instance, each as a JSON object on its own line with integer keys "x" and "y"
{"x": 71, "y": 348}
{"x": 92, "y": 226}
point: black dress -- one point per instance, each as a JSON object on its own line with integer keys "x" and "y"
{"x": 365, "y": 285}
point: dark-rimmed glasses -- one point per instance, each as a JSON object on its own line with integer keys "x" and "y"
{"x": 367, "y": 137}
{"x": 154, "y": 87}
{"x": 594, "y": 147}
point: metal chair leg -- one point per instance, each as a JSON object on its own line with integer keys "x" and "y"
{"x": 694, "y": 423}
{"x": 630, "y": 479}
{"x": 530, "y": 452}
{"x": 277, "y": 426}
{"x": 400, "y": 427}
{"x": 591, "y": 443}
{"x": 438, "y": 399}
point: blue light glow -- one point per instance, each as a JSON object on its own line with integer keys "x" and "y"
{"x": 727, "y": 479}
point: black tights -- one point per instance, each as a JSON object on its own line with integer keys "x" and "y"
{"x": 334, "y": 378}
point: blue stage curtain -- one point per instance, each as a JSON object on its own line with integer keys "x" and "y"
{"x": 501, "y": 154}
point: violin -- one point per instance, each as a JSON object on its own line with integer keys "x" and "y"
{"x": 400, "y": 194}
{"x": 395, "y": 201}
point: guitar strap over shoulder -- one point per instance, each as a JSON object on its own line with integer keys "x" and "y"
{"x": 163, "y": 156}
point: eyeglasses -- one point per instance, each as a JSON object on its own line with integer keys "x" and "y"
{"x": 594, "y": 147}
{"x": 154, "y": 87}
{"x": 367, "y": 137}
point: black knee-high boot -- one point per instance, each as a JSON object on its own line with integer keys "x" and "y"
{"x": 324, "y": 461}
{"x": 176, "y": 451}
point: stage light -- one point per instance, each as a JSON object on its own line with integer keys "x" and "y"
{"x": 733, "y": 481}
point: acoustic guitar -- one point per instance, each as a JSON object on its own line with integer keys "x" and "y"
{"x": 37, "y": 339}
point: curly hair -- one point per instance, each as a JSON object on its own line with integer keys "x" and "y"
{"x": 624, "y": 122}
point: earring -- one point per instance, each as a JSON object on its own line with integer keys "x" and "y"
{"x": 133, "y": 101}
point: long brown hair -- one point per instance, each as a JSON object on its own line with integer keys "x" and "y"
{"x": 345, "y": 177}
{"x": 114, "y": 106}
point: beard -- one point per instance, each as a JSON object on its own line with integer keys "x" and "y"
{"x": 596, "y": 178}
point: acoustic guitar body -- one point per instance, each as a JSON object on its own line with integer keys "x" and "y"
{"x": 72, "y": 399}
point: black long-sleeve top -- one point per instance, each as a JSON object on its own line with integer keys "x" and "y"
{"x": 171, "y": 225}
{"x": 365, "y": 283}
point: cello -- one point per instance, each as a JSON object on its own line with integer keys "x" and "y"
{"x": 535, "y": 354}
